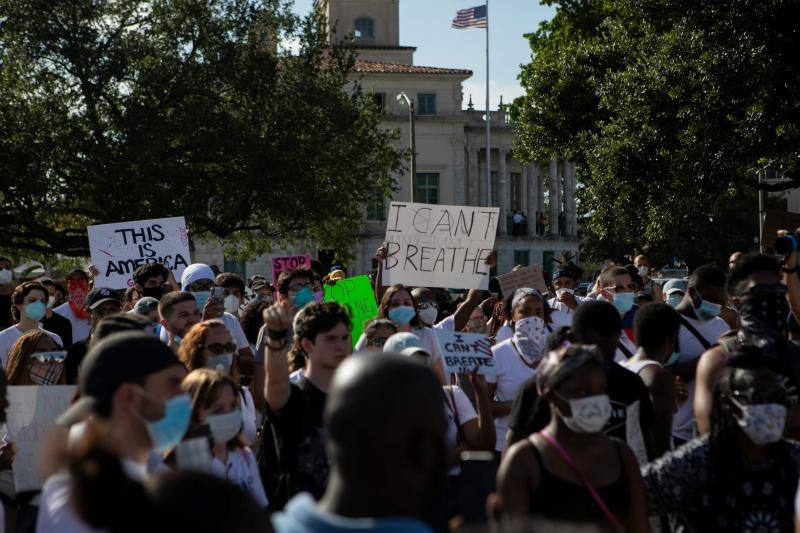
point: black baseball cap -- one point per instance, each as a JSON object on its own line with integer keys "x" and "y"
{"x": 100, "y": 295}
{"x": 125, "y": 357}
{"x": 563, "y": 273}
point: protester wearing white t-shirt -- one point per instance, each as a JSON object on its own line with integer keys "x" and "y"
{"x": 28, "y": 307}
{"x": 77, "y": 290}
{"x": 563, "y": 306}
{"x": 701, "y": 328}
{"x": 199, "y": 280}
{"x": 516, "y": 359}
{"x": 428, "y": 309}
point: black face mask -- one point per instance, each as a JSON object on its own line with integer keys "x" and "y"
{"x": 764, "y": 314}
{"x": 153, "y": 292}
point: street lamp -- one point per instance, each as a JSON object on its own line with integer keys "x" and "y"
{"x": 403, "y": 97}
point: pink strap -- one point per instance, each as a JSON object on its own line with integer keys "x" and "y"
{"x": 597, "y": 498}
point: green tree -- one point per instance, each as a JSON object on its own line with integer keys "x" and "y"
{"x": 127, "y": 109}
{"x": 670, "y": 107}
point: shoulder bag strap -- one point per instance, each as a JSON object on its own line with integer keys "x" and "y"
{"x": 702, "y": 340}
{"x": 597, "y": 498}
{"x": 628, "y": 354}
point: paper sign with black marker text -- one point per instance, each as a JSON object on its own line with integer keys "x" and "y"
{"x": 32, "y": 412}
{"x": 528, "y": 277}
{"x": 119, "y": 249}
{"x": 292, "y": 262}
{"x": 445, "y": 246}
{"x": 463, "y": 352}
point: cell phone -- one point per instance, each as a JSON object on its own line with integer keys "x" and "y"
{"x": 218, "y": 293}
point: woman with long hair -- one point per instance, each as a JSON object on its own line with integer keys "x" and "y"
{"x": 36, "y": 359}
{"x": 209, "y": 344}
{"x": 743, "y": 475}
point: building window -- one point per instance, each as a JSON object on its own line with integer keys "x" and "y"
{"x": 522, "y": 257}
{"x": 547, "y": 260}
{"x": 426, "y": 104}
{"x": 427, "y": 189}
{"x": 364, "y": 28}
{"x": 380, "y": 100}
{"x": 495, "y": 188}
{"x": 516, "y": 190}
{"x": 376, "y": 210}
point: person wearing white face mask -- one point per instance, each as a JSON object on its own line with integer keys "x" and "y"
{"x": 570, "y": 472}
{"x": 209, "y": 345}
{"x": 743, "y": 475}
{"x": 649, "y": 286}
{"x": 29, "y": 306}
{"x": 216, "y": 404}
{"x": 563, "y": 306}
{"x": 234, "y": 292}
{"x": 516, "y": 358}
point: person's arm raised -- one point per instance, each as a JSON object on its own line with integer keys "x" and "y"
{"x": 277, "y": 386}
{"x": 380, "y": 255}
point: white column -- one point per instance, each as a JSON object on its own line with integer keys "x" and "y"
{"x": 532, "y": 196}
{"x": 569, "y": 197}
{"x": 459, "y": 173}
{"x": 541, "y": 184}
{"x": 502, "y": 189}
{"x": 474, "y": 176}
{"x": 554, "y": 198}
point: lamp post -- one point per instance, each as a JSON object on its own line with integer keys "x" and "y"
{"x": 403, "y": 97}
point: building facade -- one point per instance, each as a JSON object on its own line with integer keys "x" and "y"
{"x": 450, "y": 151}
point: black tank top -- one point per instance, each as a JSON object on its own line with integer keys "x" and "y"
{"x": 560, "y": 500}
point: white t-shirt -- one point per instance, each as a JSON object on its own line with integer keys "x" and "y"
{"x": 248, "y": 416}
{"x": 691, "y": 349}
{"x": 560, "y": 314}
{"x": 10, "y": 335}
{"x": 446, "y": 324}
{"x": 504, "y": 333}
{"x": 241, "y": 469}
{"x": 234, "y": 328}
{"x": 619, "y": 356}
{"x": 81, "y": 327}
{"x": 512, "y": 373}
{"x": 426, "y": 335}
{"x": 466, "y": 413}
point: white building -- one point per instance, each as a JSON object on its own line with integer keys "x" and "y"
{"x": 450, "y": 147}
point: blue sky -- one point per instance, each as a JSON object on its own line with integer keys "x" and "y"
{"x": 426, "y": 25}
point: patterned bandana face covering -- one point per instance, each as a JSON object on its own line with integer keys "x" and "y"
{"x": 45, "y": 373}
{"x": 77, "y": 289}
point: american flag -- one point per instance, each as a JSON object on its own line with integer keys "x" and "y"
{"x": 474, "y": 17}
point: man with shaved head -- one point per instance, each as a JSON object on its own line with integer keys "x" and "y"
{"x": 387, "y": 448}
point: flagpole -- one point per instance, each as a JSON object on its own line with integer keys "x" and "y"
{"x": 488, "y": 120}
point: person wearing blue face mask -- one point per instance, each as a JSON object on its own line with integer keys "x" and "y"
{"x": 701, "y": 328}
{"x": 28, "y": 309}
{"x": 618, "y": 287}
{"x": 199, "y": 279}
{"x": 656, "y": 327}
{"x": 131, "y": 397}
{"x": 399, "y": 306}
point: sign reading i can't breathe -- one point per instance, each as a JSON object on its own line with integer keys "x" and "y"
{"x": 465, "y": 352}
{"x": 119, "y": 249}
{"x": 355, "y": 293}
{"x": 439, "y": 245}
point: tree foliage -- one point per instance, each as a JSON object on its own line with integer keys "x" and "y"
{"x": 670, "y": 107}
{"x": 119, "y": 110}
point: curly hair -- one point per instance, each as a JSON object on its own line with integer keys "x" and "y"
{"x": 252, "y": 319}
{"x": 191, "y": 351}
{"x": 18, "y": 364}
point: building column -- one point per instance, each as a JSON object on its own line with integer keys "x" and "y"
{"x": 569, "y": 197}
{"x": 459, "y": 173}
{"x": 502, "y": 190}
{"x": 474, "y": 176}
{"x": 574, "y": 220}
{"x": 540, "y": 186}
{"x": 554, "y": 198}
{"x": 532, "y": 196}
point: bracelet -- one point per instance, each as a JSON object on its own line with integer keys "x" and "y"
{"x": 277, "y": 335}
{"x": 283, "y": 343}
{"x": 791, "y": 270}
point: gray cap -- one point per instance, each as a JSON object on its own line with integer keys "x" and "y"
{"x": 675, "y": 285}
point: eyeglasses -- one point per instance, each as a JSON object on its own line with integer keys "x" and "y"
{"x": 49, "y": 357}
{"x": 219, "y": 348}
{"x": 423, "y": 305}
{"x": 377, "y": 342}
{"x": 622, "y": 288}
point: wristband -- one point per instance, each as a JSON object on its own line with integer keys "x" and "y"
{"x": 281, "y": 344}
{"x": 791, "y": 270}
{"x": 277, "y": 335}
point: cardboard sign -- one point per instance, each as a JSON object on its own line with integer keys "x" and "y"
{"x": 32, "y": 412}
{"x": 439, "y": 245}
{"x": 524, "y": 277}
{"x": 279, "y": 264}
{"x": 355, "y": 293}
{"x": 119, "y": 249}
{"x": 463, "y": 352}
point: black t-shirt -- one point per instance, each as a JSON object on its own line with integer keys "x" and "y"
{"x": 72, "y": 363}
{"x": 5, "y": 312}
{"x": 531, "y": 413}
{"x": 292, "y": 455}
{"x": 61, "y": 326}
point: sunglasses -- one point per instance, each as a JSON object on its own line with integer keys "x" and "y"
{"x": 220, "y": 349}
{"x": 49, "y": 357}
{"x": 622, "y": 288}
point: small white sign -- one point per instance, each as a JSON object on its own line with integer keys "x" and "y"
{"x": 466, "y": 352}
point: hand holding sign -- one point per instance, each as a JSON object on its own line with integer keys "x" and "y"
{"x": 531, "y": 277}
{"x": 466, "y": 352}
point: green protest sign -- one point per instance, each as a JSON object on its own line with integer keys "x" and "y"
{"x": 355, "y": 293}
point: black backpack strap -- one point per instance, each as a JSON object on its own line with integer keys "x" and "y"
{"x": 628, "y": 354}
{"x": 702, "y": 340}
